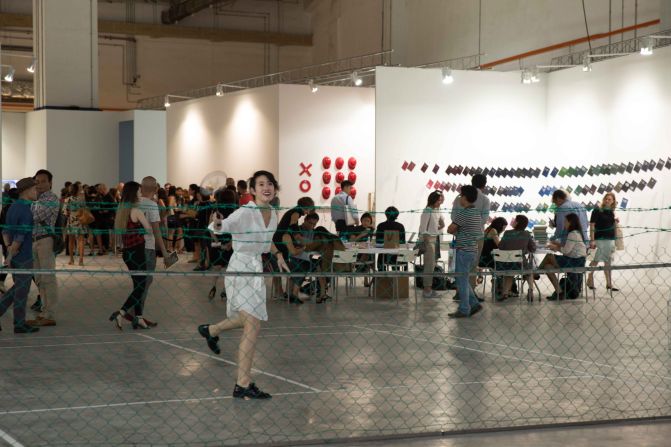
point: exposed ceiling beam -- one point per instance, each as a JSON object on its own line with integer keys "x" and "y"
{"x": 176, "y": 32}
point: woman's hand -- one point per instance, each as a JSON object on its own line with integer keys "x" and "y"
{"x": 282, "y": 264}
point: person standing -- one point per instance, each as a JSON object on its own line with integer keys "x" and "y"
{"x": 565, "y": 206}
{"x": 8, "y": 198}
{"x": 244, "y": 196}
{"x": 153, "y": 238}
{"x": 602, "y": 237}
{"x": 341, "y": 204}
{"x": 252, "y": 227}
{"x": 133, "y": 226}
{"x": 75, "y": 229}
{"x": 17, "y": 234}
{"x": 430, "y": 225}
{"x": 467, "y": 227}
{"x": 45, "y": 212}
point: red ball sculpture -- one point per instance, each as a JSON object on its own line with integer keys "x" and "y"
{"x": 326, "y": 177}
{"x": 352, "y": 192}
{"x": 340, "y": 177}
{"x": 326, "y": 192}
{"x": 352, "y": 177}
{"x": 339, "y": 163}
{"x": 338, "y": 190}
{"x": 326, "y": 162}
{"x": 351, "y": 162}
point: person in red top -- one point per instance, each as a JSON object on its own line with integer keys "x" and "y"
{"x": 132, "y": 224}
{"x": 245, "y": 196}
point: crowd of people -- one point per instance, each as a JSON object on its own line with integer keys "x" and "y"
{"x": 240, "y": 227}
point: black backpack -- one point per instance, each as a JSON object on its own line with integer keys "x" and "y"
{"x": 440, "y": 281}
{"x": 573, "y": 287}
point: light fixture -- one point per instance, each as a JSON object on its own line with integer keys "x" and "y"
{"x": 31, "y": 67}
{"x": 646, "y": 46}
{"x": 586, "y": 63}
{"x": 220, "y": 90}
{"x": 166, "y": 103}
{"x": 9, "y": 77}
{"x": 526, "y": 76}
{"x": 447, "y": 75}
{"x": 535, "y": 77}
{"x": 313, "y": 87}
{"x": 356, "y": 80}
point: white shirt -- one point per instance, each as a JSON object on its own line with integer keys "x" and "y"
{"x": 150, "y": 210}
{"x": 248, "y": 230}
{"x": 429, "y": 222}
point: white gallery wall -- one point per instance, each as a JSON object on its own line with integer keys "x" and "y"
{"x": 237, "y": 134}
{"x": 13, "y": 145}
{"x": 150, "y": 146}
{"x": 333, "y": 122}
{"x": 618, "y": 113}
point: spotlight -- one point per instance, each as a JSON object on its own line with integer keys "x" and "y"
{"x": 646, "y": 46}
{"x": 220, "y": 90}
{"x": 586, "y": 64}
{"x": 535, "y": 78}
{"x": 526, "y": 76}
{"x": 313, "y": 87}
{"x": 9, "y": 77}
{"x": 447, "y": 76}
{"x": 356, "y": 80}
{"x": 31, "y": 67}
{"x": 166, "y": 103}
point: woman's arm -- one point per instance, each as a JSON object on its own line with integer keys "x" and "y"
{"x": 289, "y": 243}
{"x": 136, "y": 215}
{"x": 281, "y": 263}
{"x": 494, "y": 236}
{"x": 592, "y": 243}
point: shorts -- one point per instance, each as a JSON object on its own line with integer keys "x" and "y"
{"x": 604, "y": 250}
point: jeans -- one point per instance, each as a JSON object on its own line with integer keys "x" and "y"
{"x": 464, "y": 262}
{"x": 134, "y": 258}
{"x": 150, "y": 260}
{"x": 18, "y": 294}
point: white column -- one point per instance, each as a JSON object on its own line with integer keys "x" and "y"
{"x": 65, "y": 38}
{"x": 665, "y": 15}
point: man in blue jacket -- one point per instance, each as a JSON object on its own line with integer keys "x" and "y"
{"x": 17, "y": 234}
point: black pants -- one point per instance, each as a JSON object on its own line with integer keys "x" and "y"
{"x": 135, "y": 259}
{"x": 3, "y": 276}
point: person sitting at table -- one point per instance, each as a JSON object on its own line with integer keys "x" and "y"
{"x": 363, "y": 233}
{"x": 391, "y": 214}
{"x": 491, "y": 242}
{"x": 317, "y": 240}
{"x": 573, "y": 254}
{"x": 518, "y": 239}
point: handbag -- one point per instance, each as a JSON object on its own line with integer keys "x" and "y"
{"x": 85, "y": 217}
{"x": 619, "y": 238}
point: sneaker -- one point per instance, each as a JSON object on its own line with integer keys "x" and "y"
{"x": 212, "y": 342}
{"x": 25, "y": 328}
{"x": 249, "y": 393}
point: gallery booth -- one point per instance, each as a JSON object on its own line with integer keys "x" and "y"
{"x": 585, "y": 132}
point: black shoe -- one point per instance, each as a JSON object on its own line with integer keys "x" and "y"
{"x": 212, "y": 342}
{"x": 295, "y": 300}
{"x": 201, "y": 268}
{"x": 455, "y": 297}
{"x": 457, "y": 314}
{"x": 480, "y": 300}
{"x": 552, "y": 297}
{"x": 25, "y": 329}
{"x": 37, "y": 305}
{"x": 251, "y": 392}
{"x": 475, "y": 310}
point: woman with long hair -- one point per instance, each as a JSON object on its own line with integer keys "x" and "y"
{"x": 430, "y": 225}
{"x": 602, "y": 237}
{"x": 252, "y": 227}
{"x": 491, "y": 242}
{"x": 573, "y": 252}
{"x": 132, "y": 225}
{"x": 75, "y": 229}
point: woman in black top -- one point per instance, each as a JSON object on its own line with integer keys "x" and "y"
{"x": 602, "y": 237}
{"x": 491, "y": 242}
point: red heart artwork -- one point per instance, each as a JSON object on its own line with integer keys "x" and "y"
{"x": 340, "y": 177}
{"x": 326, "y": 162}
{"x": 339, "y": 163}
{"x": 351, "y": 163}
{"x": 326, "y": 177}
{"x": 352, "y": 177}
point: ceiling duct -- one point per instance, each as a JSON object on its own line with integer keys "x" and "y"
{"x": 181, "y": 9}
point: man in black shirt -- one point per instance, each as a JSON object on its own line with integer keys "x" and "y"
{"x": 390, "y": 224}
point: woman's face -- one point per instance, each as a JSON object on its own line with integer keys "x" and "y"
{"x": 366, "y": 222}
{"x": 608, "y": 201}
{"x": 263, "y": 191}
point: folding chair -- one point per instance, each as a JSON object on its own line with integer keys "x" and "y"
{"x": 347, "y": 258}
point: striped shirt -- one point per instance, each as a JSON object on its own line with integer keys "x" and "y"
{"x": 470, "y": 229}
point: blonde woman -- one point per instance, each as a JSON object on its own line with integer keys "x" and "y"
{"x": 602, "y": 237}
{"x": 132, "y": 224}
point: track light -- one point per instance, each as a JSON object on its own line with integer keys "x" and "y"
{"x": 535, "y": 78}
{"x": 356, "y": 80}
{"x": 220, "y": 90}
{"x": 646, "y": 46}
{"x": 166, "y": 103}
{"x": 9, "y": 77}
{"x": 586, "y": 63}
{"x": 31, "y": 67}
{"x": 447, "y": 76}
{"x": 526, "y": 76}
{"x": 313, "y": 87}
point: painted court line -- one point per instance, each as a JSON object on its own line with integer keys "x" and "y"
{"x": 218, "y": 398}
{"x": 219, "y": 359}
{"x": 8, "y": 439}
{"x": 531, "y": 351}
{"x": 132, "y": 341}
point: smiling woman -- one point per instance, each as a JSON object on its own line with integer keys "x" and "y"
{"x": 252, "y": 227}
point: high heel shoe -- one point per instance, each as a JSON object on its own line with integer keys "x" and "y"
{"x": 142, "y": 323}
{"x": 116, "y": 318}
{"x": 612, "y": 289}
